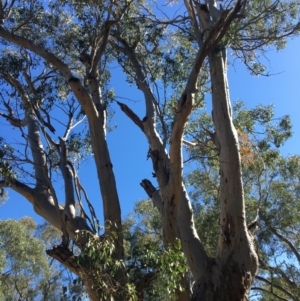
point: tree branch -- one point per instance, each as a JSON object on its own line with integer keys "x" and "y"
{"x": 28, "y": 44}
{"x": 157, "y": 151}
{"x": 14, "y": 121}
{"x": 161, "y": 164}
{"x": 279, "y": 271}
{"x": 131, "y": 115}
{"x": 186, "y": 101}
{"x": 153, "y": 193}
{"x": 271, "y": 293}
{"x": 143, "y": 284}
{"x": 275, "y": 285}
{"x": 97, "y": 53}
{"x": 95, "y": 224}
{"x": 69, "y": 209}
{"x": 288, "y": 242}
{"x": 19, "y": 187}
{"x": 33, "y": 137}
{"x": 79, "y": 91}
{"x": 70, "y": 261}
{"x": 47, "y": 123}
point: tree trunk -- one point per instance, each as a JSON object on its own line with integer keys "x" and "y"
{"x": 223, "y": 282}
{"x": 229, "y": 276}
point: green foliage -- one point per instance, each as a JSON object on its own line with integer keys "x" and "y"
{"x": 171, "y": 268}
{"x": 25, "y": 273}
{"x": 97, "y": 257}
{"x": 264, "y": 24}
{"x": 146, "y": 257}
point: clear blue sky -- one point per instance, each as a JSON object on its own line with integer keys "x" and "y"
{"x": 129, "y": 147}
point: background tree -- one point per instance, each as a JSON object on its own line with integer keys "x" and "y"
{"x": 56, "y": 60}
{"x": 26, "y": 272}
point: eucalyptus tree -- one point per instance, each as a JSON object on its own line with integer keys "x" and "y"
{"x": 55, "y": 62}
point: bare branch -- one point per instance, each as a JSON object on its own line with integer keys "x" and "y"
{"x": 153, "y": 193}
{"x": 69, "y": 126}
{"x": 49, "y": 139}
{"x": 188, "y": 143}
{"x": 131, "y": 115}
{"x": 70, "y": 261}
{"x": 279, "y": 287}
{"x": 287, "y": 241}
{"x": 69, "y": 209}
{"x": 43, "y": 122}
{"x": 14, "y": 121}
{"x": 79, "y": 188}
{"x": 19, "y": 187}
{"x": 266, "y": 291}
{"x": 141, "y": 77}
{"x": 97, "y": 53}
{"x": 78, "y": 122}
{"x": 278, "y": 270}
{"x": 190, "y": 8}
{"x": 62, "y": 222}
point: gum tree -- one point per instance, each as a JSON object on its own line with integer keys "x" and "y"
{"x": 56, "y": 57}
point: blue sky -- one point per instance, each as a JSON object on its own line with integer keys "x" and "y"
{"x": 129, "y": 147}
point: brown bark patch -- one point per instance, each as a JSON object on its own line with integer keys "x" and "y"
{"x": 228, "y": 282}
